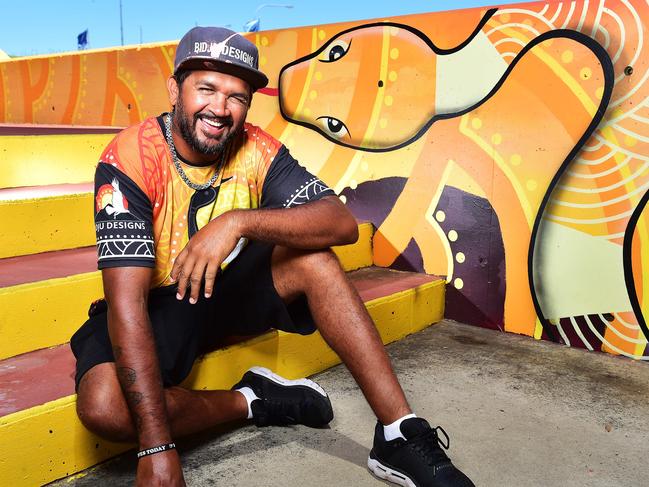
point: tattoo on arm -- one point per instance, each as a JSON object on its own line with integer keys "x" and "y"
{"x": 127, "y": 376}
{"x": 133, "y": 397}
{"x": 117, "y": 352}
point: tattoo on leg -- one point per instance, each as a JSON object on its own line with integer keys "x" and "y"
{"x": 126, "y": 376}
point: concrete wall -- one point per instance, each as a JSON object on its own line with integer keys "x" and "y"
{"x": 506, "y": 149}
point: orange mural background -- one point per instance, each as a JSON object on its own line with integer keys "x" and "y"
{"x": 469, "y": 141}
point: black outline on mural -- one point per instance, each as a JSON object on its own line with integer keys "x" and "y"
{"x": 609, "y": 81}
{"x": 409, "y": 28}
{"x": 628, "y": 263}
{"x": 607, "y": 69}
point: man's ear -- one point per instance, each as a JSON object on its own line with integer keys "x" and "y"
{"x": 172, "y": 88}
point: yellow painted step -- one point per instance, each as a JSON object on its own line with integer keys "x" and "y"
{"x": 35, "y": 160}
{"x": 47, "y": 442}
{"x": 45, "y": 219}
{"x": 47, "y": 312}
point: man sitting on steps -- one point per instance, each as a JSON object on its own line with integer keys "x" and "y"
{"x": 207, "y": 227}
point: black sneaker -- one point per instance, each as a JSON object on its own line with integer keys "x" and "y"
{"x": 283, "y": 401}
{"x": 417, "y": 462}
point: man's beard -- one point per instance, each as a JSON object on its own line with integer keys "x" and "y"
{"x": 187, "y": 129}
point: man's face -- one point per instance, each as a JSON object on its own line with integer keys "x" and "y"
{"x": 210, "y": 110}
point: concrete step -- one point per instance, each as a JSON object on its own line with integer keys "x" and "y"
{"x": 44, "y": 298}
{"x": 42, "y": 439}
{"x": 35, "y": 160}
{"x": 46, "y": 218}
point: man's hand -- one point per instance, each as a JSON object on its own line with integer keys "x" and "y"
{"x": 315, "y": 225}
{"x": 160, "y": 470}
{"x": 204, "y": 254}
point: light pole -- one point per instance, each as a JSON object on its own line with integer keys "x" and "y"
{"x": 121, "y": 23}
{"x": 253, "y": 24}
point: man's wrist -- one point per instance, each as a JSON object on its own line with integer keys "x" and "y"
{"x": 240, "y": 222}
{"x": 164, "y": 447}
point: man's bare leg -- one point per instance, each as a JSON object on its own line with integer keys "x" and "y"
{"x": 344, "y": 323}
{"x": 102, "y": 408}
{"x": 341, "y": 318}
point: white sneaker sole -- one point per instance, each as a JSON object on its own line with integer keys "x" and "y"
{"x": 386, "y": 473}
{"x": 278, "y": 379}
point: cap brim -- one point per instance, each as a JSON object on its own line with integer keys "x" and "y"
{"x": 256, "y": 79}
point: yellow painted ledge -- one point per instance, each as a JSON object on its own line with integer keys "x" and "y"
{"x": 46, "y": 313}
{"x": 47, "y": 442}
{"x": 36, "y": 160}
{"x": 55, "y": 308}
{"x": 359, "y": 254}
{"x": 46, "y": 224}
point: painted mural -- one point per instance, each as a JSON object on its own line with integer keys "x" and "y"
{"x": 504, "y": 148}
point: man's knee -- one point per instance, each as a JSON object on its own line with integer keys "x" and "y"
{"x": 296, "y": 270}
{"x": 101, "y": 406}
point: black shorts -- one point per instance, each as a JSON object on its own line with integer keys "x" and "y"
{"x": 244, "y": 302}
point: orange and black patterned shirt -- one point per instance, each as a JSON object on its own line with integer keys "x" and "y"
{"x": 145, "y": 214}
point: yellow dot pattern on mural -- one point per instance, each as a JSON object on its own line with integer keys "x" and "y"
{"x": 585, "y": 73}
{"x": 630, "y": 141}
{"x": 567, "y": 56}
{"x": 383, "y": 123}
{"x": 318, "y": 75}
{"x": 392, "y": 76}
{"x": 264, "y": 41}
{"x": 321, "y": 34}
{"x": 313, "y": 94}
{"x": 515, "y": 159}
{"x": 452, "y": 236}
{"x": 496, "y": 139}
{"x": 531, "y": 185}
{"x": 394, "y": 53}
{"x": 263, "y": 60}
{"x": 460, "y": 257}
{"x": 388, "y": 100}
{"x": 440, "y": 216}
{"x": 476, "y": 123}
{"x": 458, "y": 283}
{"x": 307, "y": 111}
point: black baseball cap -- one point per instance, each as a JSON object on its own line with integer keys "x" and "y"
{"x": 223, "y": 50}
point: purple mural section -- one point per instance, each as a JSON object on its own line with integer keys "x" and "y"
{"x": 480, "y": 301}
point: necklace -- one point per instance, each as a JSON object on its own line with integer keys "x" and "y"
{"x": 181, "y": 172}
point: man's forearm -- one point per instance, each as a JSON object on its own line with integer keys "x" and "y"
{"x": 135, "y": 354}
{"x": 139, "y": 375}
{"x": 320, "y": 224}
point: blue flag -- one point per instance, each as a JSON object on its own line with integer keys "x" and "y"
{"x": 252, "y": 25}
{"x": 82, "y": 39}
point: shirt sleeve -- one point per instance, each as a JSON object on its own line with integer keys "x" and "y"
{"x": 123, "y": 220}
{"x": 289, "y": 184}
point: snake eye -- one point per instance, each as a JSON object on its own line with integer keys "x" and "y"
{"x": 334, "y": 127}
{"x": 335, "y": 51}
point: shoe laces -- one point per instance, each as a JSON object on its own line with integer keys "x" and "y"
{"x": 428, "y": 444}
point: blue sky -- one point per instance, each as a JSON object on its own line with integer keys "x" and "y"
{"x": 32, "y": 27}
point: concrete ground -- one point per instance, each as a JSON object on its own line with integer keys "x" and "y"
{"x": 519, "y": 413}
